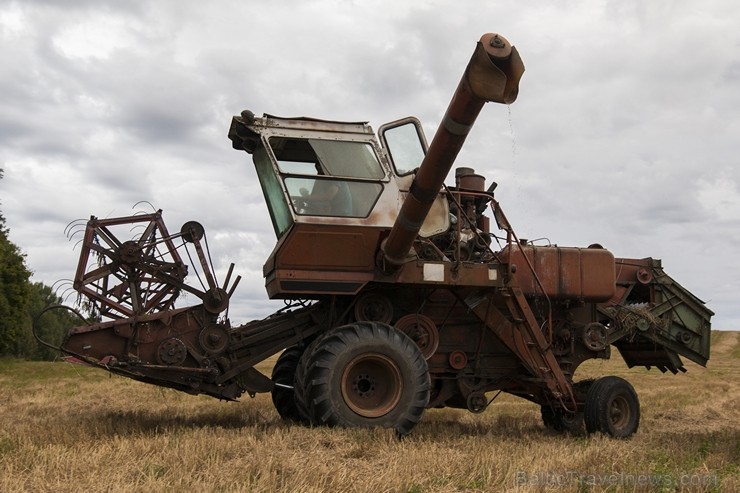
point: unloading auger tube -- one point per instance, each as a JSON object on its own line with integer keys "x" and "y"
{"x": 492, "y": 74}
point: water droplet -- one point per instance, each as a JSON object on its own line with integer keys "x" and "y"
{"x": 513, "y": 140}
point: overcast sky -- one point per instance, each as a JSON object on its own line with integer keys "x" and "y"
{"x": 625, "y": 132}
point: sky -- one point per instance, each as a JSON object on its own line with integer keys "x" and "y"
{"x": 625, "y": 132}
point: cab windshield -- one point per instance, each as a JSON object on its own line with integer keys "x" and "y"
{"x": 328, "y": 177}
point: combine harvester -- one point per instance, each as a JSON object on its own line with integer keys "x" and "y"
{"x": 398, "y": 296}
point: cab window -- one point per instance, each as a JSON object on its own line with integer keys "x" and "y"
{"x": 328, "y": 177}
{"x": 405, "y": 144}
{"x": 278, "y": 208}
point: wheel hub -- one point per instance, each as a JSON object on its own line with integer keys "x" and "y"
{"x": 619, "y": 412}
{"x": 371, "y": 385}
{"x": 364, "y": 385}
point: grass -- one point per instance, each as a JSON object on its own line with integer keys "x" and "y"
{"x": 70, "y": 428}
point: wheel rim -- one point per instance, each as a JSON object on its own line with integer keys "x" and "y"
{"x": 619, "y": 412}
{"x": 371, "y": 385}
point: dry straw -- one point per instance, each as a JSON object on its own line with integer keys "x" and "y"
{"x": 68, "y": 428}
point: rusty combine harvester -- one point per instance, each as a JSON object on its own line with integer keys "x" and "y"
{"x": 398, "y": 296}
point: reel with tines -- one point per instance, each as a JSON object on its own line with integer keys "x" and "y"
{"x": 123, "y": 278}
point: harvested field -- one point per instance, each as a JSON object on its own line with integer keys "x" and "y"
{"x": 71, "y": 428}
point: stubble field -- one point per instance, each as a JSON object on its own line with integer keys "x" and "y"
{"x": 71, "y": 428}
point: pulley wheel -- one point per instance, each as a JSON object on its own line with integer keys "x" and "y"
{"x": 422, "y": 330}
{"x": 374, "y": 307}
{"x": 477, "y": 402}
{"x": 458, "y": 360}
{"x": 172, "y": 352}
{"x": 216, "y": 300}
{"x": 213, "y": 339}
{"x": 595, "y": 336}
{"x": 192, "y": 231}
{"x": 644, "y": 276}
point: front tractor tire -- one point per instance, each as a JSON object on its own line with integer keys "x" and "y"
{"x": 283, "y": 374}
{"x": 367, "y": 374}
{"x": 612, "y": 408}
{"x": 562, "y": 422}
{"x": 559, "y": 420}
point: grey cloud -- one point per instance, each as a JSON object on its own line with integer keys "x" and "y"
{"x": 622, "y": 126}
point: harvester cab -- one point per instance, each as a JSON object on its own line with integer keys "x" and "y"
{"x": 399, "y": 296}
{"x": 333, "y": 192}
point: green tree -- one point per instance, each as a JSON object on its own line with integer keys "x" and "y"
{"x": 21, "y": 302}
{"x": 51, "y": 327}
{"x": 15, "y": 290}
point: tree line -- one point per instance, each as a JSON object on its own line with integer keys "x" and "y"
{"x": 21, "y": 302}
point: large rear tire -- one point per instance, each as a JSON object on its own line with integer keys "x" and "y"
{"x": 612, "y": 407}
{"x": 367, "y": 374}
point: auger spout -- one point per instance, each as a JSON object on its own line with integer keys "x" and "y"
{"x": 492, "y": 74}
